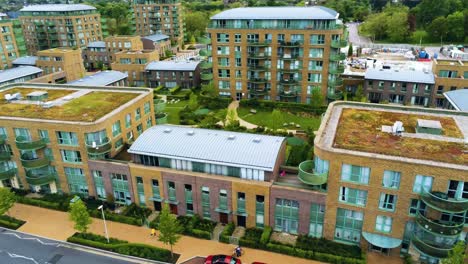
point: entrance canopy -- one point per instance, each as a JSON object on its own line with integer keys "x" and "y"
{"x": 381, "y": 241}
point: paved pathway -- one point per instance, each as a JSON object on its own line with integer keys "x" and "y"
{"x": 55, "y": 224}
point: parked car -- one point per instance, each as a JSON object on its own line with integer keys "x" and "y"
{"x": 221, "y": 259}
{"x": 256, "y": 262}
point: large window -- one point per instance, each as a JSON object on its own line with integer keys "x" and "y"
{"x": 206, "y": 202}
{"x": 121, "y": 189}
{"x": 71, "y": 156}
{"x": 387, "y": 201}
{"x": 422, "y": 183}
{"x": 353, "y": 196}
{"x": 76, "y": 180}
{"x": 23, "y": 133}
{"x": 348, "y": 225}
{"x": 416, "y": 206}
{"x": 317, "y": 213}
{"x": 67, "y": 138}
{"x": 391, "y": 179}
{"x": 116, "y": 130}
{"x": 355, "y": 173}
{"x": 99, "y": 137}
{"x": 383, "y": 223}
{"x": 458, "y": 190}
{"x": 316, "y": 53}
{"x": 286, "y": 216}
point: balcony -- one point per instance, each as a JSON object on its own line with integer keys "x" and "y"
{"x": 206, "y": 76}
{"x": 159, "y": 105}
{"x": 433, "y": 251}
{"x": 5, "y": 155}
{"x": 308, "y": 175}
{"x": 338, "y": 44}
{"x": 33, "y": 163}
{"x": 285, "y": 70}
{"x": 206, "y": 65}
{"x": 6, "y": 174}
{"x": 337, "y": 70}
{"x": 28, "y": 144}
{"x": 441, "y": 202}
{"x": 257, "y": 43}
{"x": 438, "y": 228}
{"x": 257, "y": 68}
{"x": 205, "y": 52}
{"x": 223, "y": 205}
{"x": 336, "y": 82}
{"x": 334, "y": 94}
{"x": 188, "y": 196}
{"x": 288, "y": 56}
{"x": 204, "y": 40}
{"x": 2, "y": 139}
{"x": 161, "y": 118}
{"x": 258, "y": 92}
{"x": 288, "y": 94}
{"x": 288, "y": 81}
{"x": 40, "y": 178}
{"x": 337, "y": 57}
{"x": 99, "y": 148}
{"x": 293, "y": 44}
{"x": 257, "y": 80}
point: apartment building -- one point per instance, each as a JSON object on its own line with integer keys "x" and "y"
{"x": 103, "y": 78}
{"x": 276, "y": 53}
{"x": 406, "y": 87}
{"x": 24, "y": 61}
{"x": 159, "y": 42}
{"x": 134, "y": 63}
{"x": 116, "y": 44}
{"x": 457, "y": 100}
{"x": 19, "y": 74}
{"x": 59, "y": 25}
{"x": 185, "y": 74}
{"x": 95, "y": 55}
{"x": 450, "y": 75}
{"x": 62, "y": 59}
{"x": 159, "y": 17}
{"x": 51, "y": 151}
{"x": 11, "y": 41}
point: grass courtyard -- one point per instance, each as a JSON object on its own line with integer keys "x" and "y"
{"x": 173, "y": 111}
{"x": 263, "y": 118}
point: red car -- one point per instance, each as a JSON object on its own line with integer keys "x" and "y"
{"x": 221, "y": 259}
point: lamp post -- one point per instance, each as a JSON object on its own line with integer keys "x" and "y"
{"x": 101, "y": 207}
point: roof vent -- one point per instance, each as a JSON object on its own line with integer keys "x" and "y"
{"x": 257, "y": 140}
{"x": 231, "y": 137}
{"x": 167, "y": 130}
{"x": 190, "y": 132}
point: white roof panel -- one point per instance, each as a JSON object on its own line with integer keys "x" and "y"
{"x": 18, "y": 72}
{"x": 278, "y": 12}
{"x": 400, "y": 76}
{"x": 56, "y": 8}
{"x": 172, "y": 66}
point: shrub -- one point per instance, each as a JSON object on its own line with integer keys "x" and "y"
{"x": 158, "y": 89}
{"x": 196, "y": 226}
{"x": 227, "y": 232}
{"x": 182, "y": 95}
{"x": 10, "y": 222}
{"x": 117, "y": 218}
{"x": 200, "y": 234}
{"x": 40, "y": 203}
{"x": 175, "y": 89}
{"x": 266, "y": 235}
{"x": 154, "y": 224}
{"x": 293, "y": 107}
{"x": 133, "y": 210}
{"x": 326, "y": 246}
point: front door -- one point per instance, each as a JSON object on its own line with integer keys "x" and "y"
{"x": 223, "y": 218}
{"x": 157, "y": 206}
{"x": 238, "y": 96}
{"x": 241, "y": 220}
{"x": 173, "y": 208}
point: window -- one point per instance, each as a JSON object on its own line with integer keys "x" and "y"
{"x": 317, "y": 39}
{"x": 353, "y": 196}
{"x": 139, "y": 129}
{"x": 71, "y": 156}
{"x": 348, "y": 225}
{"x": 116, "y": 130}
{"x": 440, "y": 89}
{"x": 417, "y": 205}
{"x": 387, "y": 201}
{"x": 119, "y": 143}
{"x": 314, "y": 77}
{"x": 391, "y": 179}
{"x": 422, "y": 183}
{"x": 457, "y": 190}
{"x": 137, "y": 114}
{"x": 381, "y": 84}
{"x": 355, "y": 173}
{"x": 237, "y": 38}
{"x": 44, "y": 135}
{"x": 415, "y": 88}
{"x": 383, "y": 224}
{"x": 286, "y": 216}
{"x": 315, "y": 65}
{"x": 48, "y": 153}
{"x": 147, "y": 108}
{"x": 316, "y": 53}
{"x": 128, "y": 120}
{"x": 317, "y": 213}
{"x": 23, "y": 134}
{"x": 206, "y": 202}
{"x": 222, "y": 38}
{"x": 76, "y": 180}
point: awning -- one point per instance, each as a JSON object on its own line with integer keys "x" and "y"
{"x": 382, "y": 241}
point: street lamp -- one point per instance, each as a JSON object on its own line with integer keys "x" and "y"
{"x": 101, "y": 207}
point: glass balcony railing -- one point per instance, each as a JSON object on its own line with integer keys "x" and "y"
{"x": 258, "y": 55}
{"x": 337, "y": 70}
{"x": 308, "y": 175}
{"x": 254, "y": 67}
{"x": 159, "y": 105}
{"x": 28, "y": 144}
{"x": 206, "y": 65}
{"x": 206, "y": 76}
{"x": 288, "y": 94}
{"x": 188, "y": 196}
{"x": 7, "y": 173}
{"x": 40, "y": 178}
{"x": 223, "y": 204}
{"x": 172, "y": 194}
{"x": 260, "y": 207}
{"x": 425, "y": 248}
{"x": 292, "y": 44}
{"x": 5, "y": 155}
{"x": 339, "y": 44}
{"x": 258, "y": 92}
{"x": 438, "y": 228}
{"x": 288, "y": 82}
{"x": 99, "y": 148}
{"x": 33, "y": 163}
{"x": 241, "y": 205}
{"x": 257, "y": 43}
{"x": 334, "y": 94}
{"x": 257, "y": 80}
{"x": 441, "y": 202}
{"x": 337, "y": 57}
{"x": 288, "y": 70}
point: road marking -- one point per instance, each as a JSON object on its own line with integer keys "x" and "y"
{"x": 13, "y": 255}
{"x": 33, "y": 238}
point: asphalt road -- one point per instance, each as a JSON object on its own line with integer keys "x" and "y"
{"x": 354, "y": 36}
{"x": 18, "y": 248}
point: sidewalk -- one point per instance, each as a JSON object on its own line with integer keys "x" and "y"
{"x": 55, "y": 224}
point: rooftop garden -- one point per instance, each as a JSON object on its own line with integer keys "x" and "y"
{"x": 52, "y": 94}
{"x": 360, "y": 130}
{"x": 86, "y": 108}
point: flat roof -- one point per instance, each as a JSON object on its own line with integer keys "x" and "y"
{"x": 400, "y": 75}
{"x": 209, "y": 146}
{"x": 18, "y": 72}
{"x": 458, "y": 99}
{"x": 67, "y": 103}
{"x": 57, "y": 8}
{"x": 156, "y": 37}
{"x": 96, "y": 44}
{"x": 3, "y": 14}
{"x": 278, "y": 12}
{"x": 172, "y": 66}
{"x": 356, "y": 129}
{"x": 429, "y": 123}
{"x": 102, "y": 78}
{"x": 26, "y": 60}
{"x": 57, "y": 50}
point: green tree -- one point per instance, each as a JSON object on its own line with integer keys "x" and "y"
{"x": 455, "y": 24}
{"x": 193, "y": 40}
{"x": 438, "y": 29}
{"x": 196, "y": 23}
{"x": 350, "y": 50}
{"x": 419, "y": 36}
{"x": 359, "y": 95}
{"x": 80, "y": 216}
{"x": 276, "y": 119}
{"x": 456, "y": 255}
{"x": 7, "y": 200}
{"x": 375, "y": 26}
{"x": 428, "y": 10}
{"x": 208, "y": 89}
{"x": 193, "y": 102}
{"x": 316, "y": 98}
{"x": 221, "y": 115}
{"x": 397, "y": 26}
{"x": 169, "y": 228}
{"x": 231, "y": 116}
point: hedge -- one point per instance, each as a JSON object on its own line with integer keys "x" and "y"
{"x": 327, "y": 246}
{"x": 174, "y": 89}
{"x": 40, "y": 203}
{"x": 265, "y": 235}
{"x": 10, "y": 222}
{"x": 227, "y": 233}
{"x": 181, "y": 95}
{"x": 122, "y": 247}
{"x": 159, "y": 88}
{"x": 117, "y": 217}
{"x": 295, "y": 107}
{"x": 196, "y": 226}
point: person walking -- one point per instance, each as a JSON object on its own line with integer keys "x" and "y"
{"x": 153, "y": 232}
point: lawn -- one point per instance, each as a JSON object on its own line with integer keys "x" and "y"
{"x": 52, "y": 94}
{"x": 263, "y": 118}
{"x": 173, "y": 111}
{"x": 87, "y": 108}
{"x": 361, "y": 130}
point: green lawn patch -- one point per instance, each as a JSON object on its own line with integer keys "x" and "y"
{"x": 263, "y": 118}
{"x": 123, "y": 247}
{"x": 10, "y": 222}
{"x": 173, "y": 111}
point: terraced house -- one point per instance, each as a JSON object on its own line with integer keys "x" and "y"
{"x": 11, "y": 41}
{"x": 49, "y": 133}
{"x": 276, "y": 53}
{"x": 59, "y": 25}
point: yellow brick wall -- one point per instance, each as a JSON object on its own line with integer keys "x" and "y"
{"x": 251, "y": 189}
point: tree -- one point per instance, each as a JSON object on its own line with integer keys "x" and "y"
{"x": 428, "y": 10}
{"x": 350, "y": 50}
{"x": 80, "y": 216}
{"x": 7, "y": 200}
{"x": 231, "y": 116}
{"x": 196, "y": 23}
{"x": 456, "y": 255}
{"x": 455, "y": 24}
{"x": 221, "y": 115}
{"x": 193, "y": 102}
{"x": 316, "y": 98}
{"x": 397, "y": 27}
{"x": 169, "y": 228}
{"x": 419, "y": 36}
{"x": 359, "y": 95}
{"x": 438, "y": 29}
{"x": 276, "y": 120}
{"x": 208, "y": 89}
